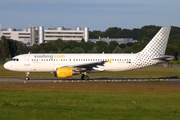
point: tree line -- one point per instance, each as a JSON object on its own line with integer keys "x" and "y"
{"x": 10, "y": 48}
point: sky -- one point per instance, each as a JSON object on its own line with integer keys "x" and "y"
{"x": 95, "y": 14}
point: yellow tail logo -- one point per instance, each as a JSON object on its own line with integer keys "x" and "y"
{"x": 159, "y": 37}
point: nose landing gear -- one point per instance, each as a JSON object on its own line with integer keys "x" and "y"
{"x": 27, "y": 76}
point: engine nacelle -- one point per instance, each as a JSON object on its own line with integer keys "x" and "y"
{"x": 63, "y": 72}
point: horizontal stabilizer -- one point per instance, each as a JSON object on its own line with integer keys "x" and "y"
{"x": 164, "y": 58}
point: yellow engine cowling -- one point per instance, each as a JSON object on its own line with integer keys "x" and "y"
{"x": 63, "y": 72}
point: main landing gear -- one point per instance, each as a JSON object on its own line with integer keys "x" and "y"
{"x": 84, "y": 77}
{"x": 27, "y": 76}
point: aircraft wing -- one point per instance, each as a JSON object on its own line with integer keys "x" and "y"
{"x": 89, "y": 66}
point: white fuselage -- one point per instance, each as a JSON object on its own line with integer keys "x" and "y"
{"x": 49, "y": 62}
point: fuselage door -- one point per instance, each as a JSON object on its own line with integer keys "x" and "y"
{"x": 27, "y": 60}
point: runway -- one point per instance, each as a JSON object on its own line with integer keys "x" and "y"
{"x": 94, "y": 80}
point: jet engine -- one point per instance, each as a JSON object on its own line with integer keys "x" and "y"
{"x": 63, "y": 72}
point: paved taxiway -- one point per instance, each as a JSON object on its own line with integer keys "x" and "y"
{"x": 102, "y": 80}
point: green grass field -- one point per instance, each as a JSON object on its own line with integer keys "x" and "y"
{"x": 87, "y": 101}
{"x": 149, "y": 72}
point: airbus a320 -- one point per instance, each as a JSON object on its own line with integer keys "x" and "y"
{"x": 67, "y": 65}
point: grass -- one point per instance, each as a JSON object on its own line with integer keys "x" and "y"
{"x": 149, "y": 72}
{"x": 89, "y": 101}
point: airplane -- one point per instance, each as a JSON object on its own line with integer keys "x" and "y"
{"x": 67, "y": 65}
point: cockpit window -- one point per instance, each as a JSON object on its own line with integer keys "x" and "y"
{"x": 14, "y": 59}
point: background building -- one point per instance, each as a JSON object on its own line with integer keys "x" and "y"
{"x": 17, "y": 34}
{"x": 66, "y": 34}
{"x": 118, "y": 40}
{"x": 38, "y": 35}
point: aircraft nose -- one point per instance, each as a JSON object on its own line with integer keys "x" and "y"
{"x": 7, "y": 66}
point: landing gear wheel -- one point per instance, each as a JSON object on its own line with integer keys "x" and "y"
{"x": 27, "y": 76}
{"x": 84, "y": 77}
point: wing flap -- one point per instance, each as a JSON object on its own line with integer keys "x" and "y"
{"x": 91, "y": 65}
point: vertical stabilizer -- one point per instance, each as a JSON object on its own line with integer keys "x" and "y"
{"x": 157, "y": 45}
{"x": 154, "y": 49}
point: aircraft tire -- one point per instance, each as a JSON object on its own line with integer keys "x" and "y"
{"x": 84, "y": 77}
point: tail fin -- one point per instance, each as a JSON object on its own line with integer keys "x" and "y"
{"x": 157, "y": 45}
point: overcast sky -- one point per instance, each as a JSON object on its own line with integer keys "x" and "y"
{"x": 95, "y": 14}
